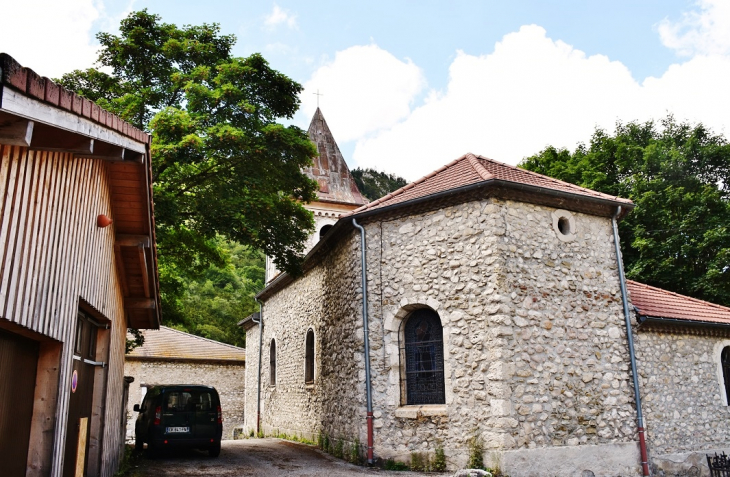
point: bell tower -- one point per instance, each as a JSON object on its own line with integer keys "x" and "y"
{"x": 338, "y": 192}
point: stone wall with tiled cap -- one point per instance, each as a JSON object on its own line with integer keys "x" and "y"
{"x": 44, "y": 89}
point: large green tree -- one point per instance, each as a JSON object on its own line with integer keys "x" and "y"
{"x": 222, "y": 164}
{"x": 678, "y": 175}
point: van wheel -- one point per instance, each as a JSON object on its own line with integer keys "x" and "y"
{"x": 138, "y": 444}
{"x": 214, "y": 450}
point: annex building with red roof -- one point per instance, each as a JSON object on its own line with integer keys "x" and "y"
{"x": 486, "y": 301}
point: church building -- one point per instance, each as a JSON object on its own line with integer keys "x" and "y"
{"x": 485, "y": 302}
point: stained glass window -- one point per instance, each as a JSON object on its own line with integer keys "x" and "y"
{"x": 424, "y": 355}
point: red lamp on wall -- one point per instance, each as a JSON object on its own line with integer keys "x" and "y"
{"x": 103, "y": 221}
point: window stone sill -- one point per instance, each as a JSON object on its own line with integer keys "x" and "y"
{"x": 425, "y": 410}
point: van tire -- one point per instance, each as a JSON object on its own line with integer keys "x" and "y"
{"x": 214, "y": 450}
{"x": 138, "y": 444}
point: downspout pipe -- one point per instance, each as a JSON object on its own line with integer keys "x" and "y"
{"x": 258, "y": 383}
{"x": 366, "y": 339}
{"x": 632, "y": 354}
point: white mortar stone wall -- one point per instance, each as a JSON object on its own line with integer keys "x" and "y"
{"x": 536, "y": 361}
{"x": 326, "y": 299}
{"x": 534, "y": 338}
{"x": 226, "y": 378}
{"x": 682, "y": 391}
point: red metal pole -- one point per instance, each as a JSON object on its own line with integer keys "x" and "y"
{"x": 370, "y": 437}
{"x": 644, "y": 456}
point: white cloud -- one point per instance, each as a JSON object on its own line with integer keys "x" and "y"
{"x": 706, "y": 32}
{"x": 363, "y": 89}
{"x": 49, "y": 36}
{"x": 279, "y": 16}
{"x": 530, "y": 92}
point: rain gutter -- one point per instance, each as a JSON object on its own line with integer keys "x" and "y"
{"x": 632, "y": 355}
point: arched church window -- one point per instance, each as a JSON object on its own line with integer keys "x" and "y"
{"x": 309, "y": 358}
{"x": 725, "y": 360}
{"x": 323, "y": 231}
{"x": 272, "y": 363}
{"x": 424, "y": 356}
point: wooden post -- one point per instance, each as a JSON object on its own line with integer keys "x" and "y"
{"x": 81, "y": 449}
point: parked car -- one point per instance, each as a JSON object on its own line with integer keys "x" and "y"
{"x": 179, "y": 416}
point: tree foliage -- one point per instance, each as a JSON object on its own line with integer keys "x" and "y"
{"x": 213, "y": 305}
{"x": 375, "y": 184}
{"x": 222, "y": 164}
{"x": 678, "y": 175}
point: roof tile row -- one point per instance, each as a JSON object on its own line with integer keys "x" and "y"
{"x": 44, "y": 89}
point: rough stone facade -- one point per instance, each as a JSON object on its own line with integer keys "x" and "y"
{"x": 534, "y": 342}
{"x": 683, "y": 396}
{"x": 226, "y": 378}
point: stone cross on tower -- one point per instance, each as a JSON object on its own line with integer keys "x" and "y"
{"x": 318, "y": 94}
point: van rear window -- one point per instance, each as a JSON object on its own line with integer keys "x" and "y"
{"x": 182, "y": 401}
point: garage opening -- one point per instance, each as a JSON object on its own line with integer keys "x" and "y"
{"x": 18, "y": 364}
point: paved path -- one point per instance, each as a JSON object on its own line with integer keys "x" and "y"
{"x": 259, "y": 457}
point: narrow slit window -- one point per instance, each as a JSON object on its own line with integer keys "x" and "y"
{"x": 309, "y": 358}
{"x": 725, "y": 360}
{"x": 272, "y": 363}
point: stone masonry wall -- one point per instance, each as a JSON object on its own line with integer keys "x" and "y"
{"x": 227, "y": 379}
{"x": 326, "y": 299}
{"x": 683, "y": 397}
{"x": 535, "y": 347}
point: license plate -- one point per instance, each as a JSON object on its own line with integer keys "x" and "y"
{"x": 172, "y": 430}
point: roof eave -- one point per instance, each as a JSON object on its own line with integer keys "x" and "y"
{"x": 661, "y": 320}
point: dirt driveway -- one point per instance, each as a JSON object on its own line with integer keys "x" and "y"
{"x": 259, "y": 457}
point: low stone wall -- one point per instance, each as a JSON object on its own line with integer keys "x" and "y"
{"x": 683, "y": 396}
{"x": 226, "y": 378}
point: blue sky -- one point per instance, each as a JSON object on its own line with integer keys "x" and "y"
{"x": 410, "y": 85}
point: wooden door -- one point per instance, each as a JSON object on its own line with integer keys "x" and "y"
{"x": 18, "y": 364}
{"x": 82, "y": 394}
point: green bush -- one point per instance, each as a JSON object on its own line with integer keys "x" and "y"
{"x": 476, "y": 453}
{"x": 391, "y": 464}
{"x": 439, "y": 460}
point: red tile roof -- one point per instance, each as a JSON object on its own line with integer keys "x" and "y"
{"x": 43, "y": 89}
{"x": 470, "y": 169}
{"x": 167, "y": 343}
{"x": 658, "y": 303}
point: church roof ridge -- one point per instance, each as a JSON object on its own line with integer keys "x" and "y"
{"x": 471, "y": 169}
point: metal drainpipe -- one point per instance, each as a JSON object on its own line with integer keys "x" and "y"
{"x": 627, "y": 317}
{"x": 366, "y": 339}
{"x": 258, "y": 384}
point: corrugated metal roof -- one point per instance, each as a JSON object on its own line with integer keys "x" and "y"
{"x": 657, "y": 303}
{"x": 470, "y": 169}
{"x": 167, "y": 343}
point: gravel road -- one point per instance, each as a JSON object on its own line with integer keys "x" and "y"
{"x": 259, "y": 457}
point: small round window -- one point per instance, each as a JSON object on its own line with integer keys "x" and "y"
{"x": 564, "y": 225}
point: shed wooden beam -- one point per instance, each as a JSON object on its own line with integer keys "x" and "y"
{"x": 47, "y": 138}
{"x": 122, "y": 271}
{"x": 139, "y": 303}
{"x": 145, "y": 272}
{"x": 125, "y": 240}
{"x": 106, "y": 151}
{"x": 16, "y": 131}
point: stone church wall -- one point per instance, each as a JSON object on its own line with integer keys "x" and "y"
{"x": 535, "y": 347}
{"x": 535, "y": 351}
{"x": 227, "y": 379}
{"x": 327, "y": 299}
{"x": 683, "y": 397}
